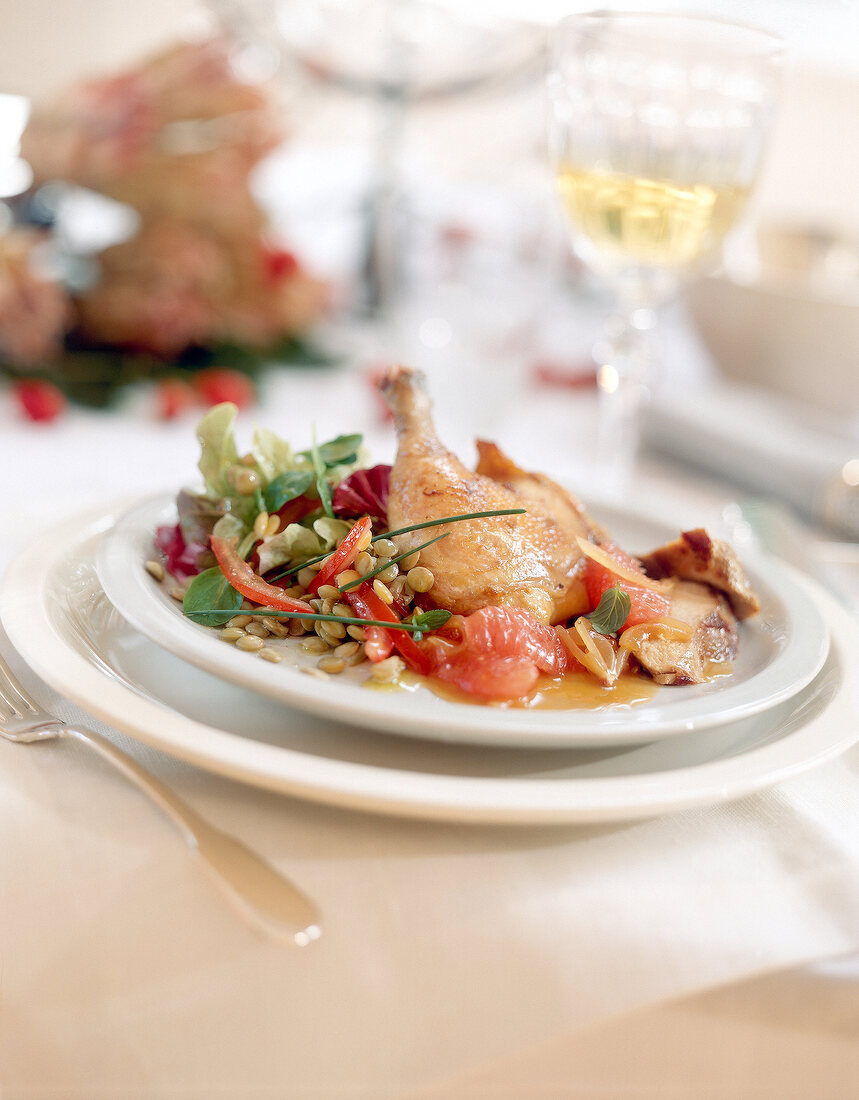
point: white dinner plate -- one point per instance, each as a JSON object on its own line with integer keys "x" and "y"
{"x": 60, "y": 620}
{"x": 781, "y": 651}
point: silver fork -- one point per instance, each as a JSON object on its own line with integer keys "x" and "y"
{"x": 262, "y": 895}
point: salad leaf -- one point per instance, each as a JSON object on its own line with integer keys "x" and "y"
{"x": 293, "y": 544}
{"x": 612, "y": 611}
{"x": 229, "y": 527}
{"x": 217, "y": 447}
{"x": 285, "y": 487}
{"x": 210, "y": 599}
{"x": 297, "y": 543}
{"x": 342, "y": 451}
{"x": 330, "y": 531}
{"x": 322, "y": 486}
{"x": 273, "y": 455}
{"x": 364, "y": 493}
{"x": 198, "y": 514}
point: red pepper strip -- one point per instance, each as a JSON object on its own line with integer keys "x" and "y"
{"x": 342, "y": 557}
{"x": 379, "y": 642}
{"x": 244, "y": 580}
{"x": 367, "y": 605}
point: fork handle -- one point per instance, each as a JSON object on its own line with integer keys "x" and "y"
{"x": 262, "y": 895}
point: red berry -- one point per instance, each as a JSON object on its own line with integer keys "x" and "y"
{"x": 173, "y": 397}
{"x": 38, "y": 399}
{"x": 217, "y": 384}
{"x": 278, "y": 264}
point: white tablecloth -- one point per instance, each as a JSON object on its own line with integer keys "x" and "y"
{"x": 451, "y": 955}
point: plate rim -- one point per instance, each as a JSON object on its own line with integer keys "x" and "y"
{"x": 450, "y": 721}
{"x": 400, "y": 793}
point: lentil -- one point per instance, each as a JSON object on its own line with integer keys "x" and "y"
{"x": 420, "y": 579}
{"x": 249, "y": 643}
{"x": 331, "y": 664}
{"x": 385, "y": 548}
{"x": 364, "y": 563}
{"x": 155, "y": 569}
{"x": 280, "y": 629}
{"x": 365, "y": 540}
{"x": 410, "y": 562}
{"x": 239, "y": 620}
{"x": 316, "y": 673}
{"x": 269, "y": 654}
{"x": 231, "y": 633}
{"x": 382, "y": 591}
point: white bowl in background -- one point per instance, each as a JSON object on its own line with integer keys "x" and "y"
{"x": 784, "y": 314}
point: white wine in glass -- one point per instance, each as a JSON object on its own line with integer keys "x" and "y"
{"x": 657, "y": 124}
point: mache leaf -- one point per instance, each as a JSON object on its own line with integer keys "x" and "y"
{"x": 342, "y": 451}
{"x": 210, "y": 599}
{"x": 285, "y": 487}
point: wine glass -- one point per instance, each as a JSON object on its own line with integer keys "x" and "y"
{"x": 657, "y": 124}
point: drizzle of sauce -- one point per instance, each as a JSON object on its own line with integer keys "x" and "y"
{"x": 572, "y": 691}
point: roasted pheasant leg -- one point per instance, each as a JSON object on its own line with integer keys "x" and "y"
{"x": 528, "y": 561}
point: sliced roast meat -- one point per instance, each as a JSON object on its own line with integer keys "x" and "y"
{"x": 697, "y": 557}
{"x": 714, "y": 637}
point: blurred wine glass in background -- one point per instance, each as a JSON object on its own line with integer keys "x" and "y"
{"x": 657, "y": 123}
{"x": 396, "y": 55}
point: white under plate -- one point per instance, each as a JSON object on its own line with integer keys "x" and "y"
{"x": 60, "y": 620}
{"x": 781, "y": 651}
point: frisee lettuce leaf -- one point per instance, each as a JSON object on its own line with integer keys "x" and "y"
{"x": 272, "y": 454}
{"x": 297, "y": 542}
{"x": 217, "y": 447}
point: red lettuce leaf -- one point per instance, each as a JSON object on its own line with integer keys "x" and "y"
{"x": 363, "y": 493}
{"x": 181, "y": 557}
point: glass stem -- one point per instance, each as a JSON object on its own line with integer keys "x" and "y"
{"x": 624, "y": 358}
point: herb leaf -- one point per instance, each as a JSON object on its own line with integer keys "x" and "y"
{"x": 611, "y": 612}
{"x": 210, "y": 599}
{"x": 431, "y": 620}
{"x": 286, "y": 487}
{"x": 342, "y": 451}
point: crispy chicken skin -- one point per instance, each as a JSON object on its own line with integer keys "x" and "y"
{"x": 528, "y": 561}
{"x": 697, "y": 557}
